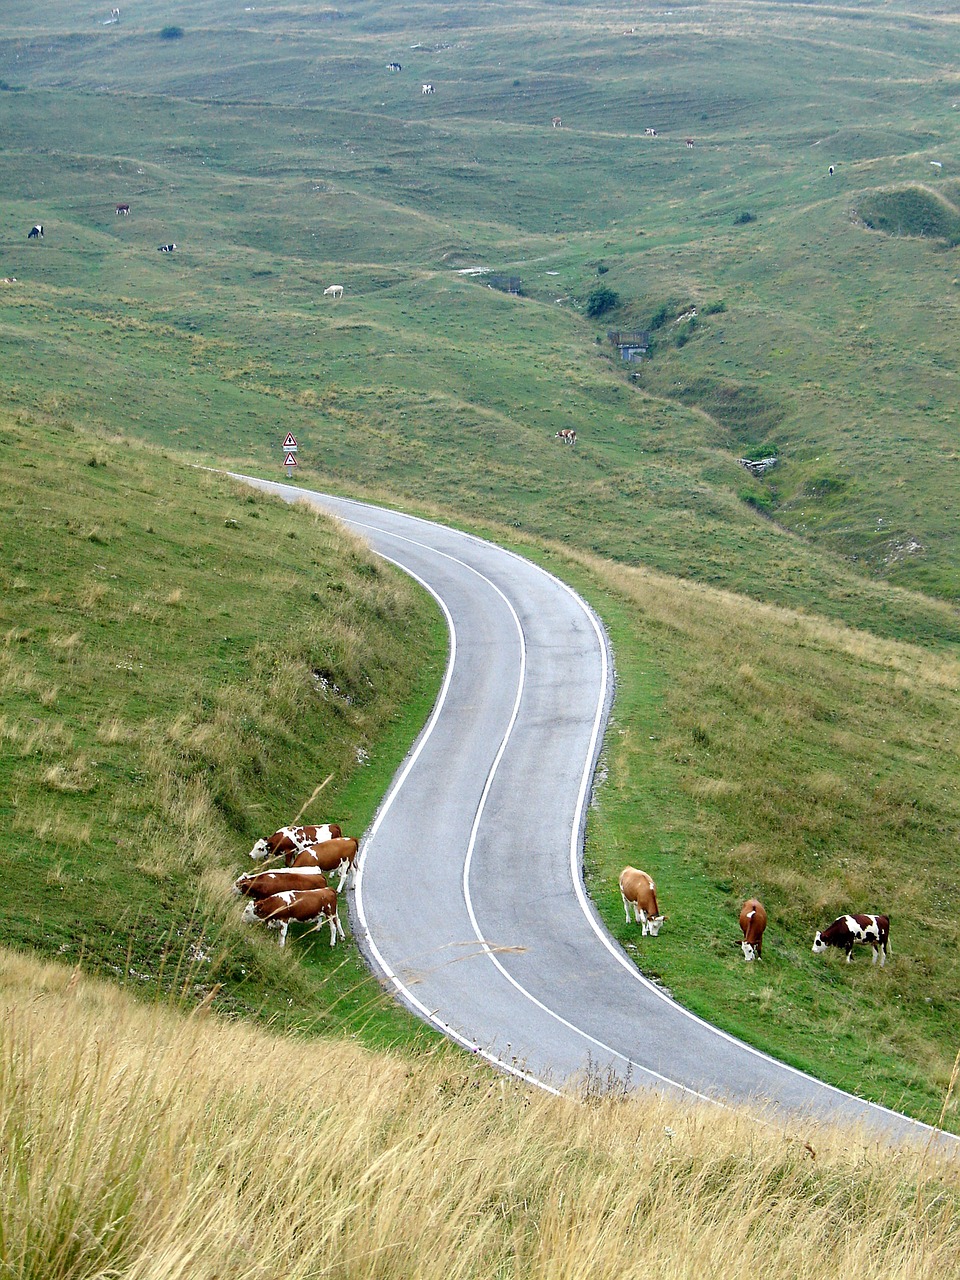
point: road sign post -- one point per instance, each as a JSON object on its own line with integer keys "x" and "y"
{"x": 290, "y": 447}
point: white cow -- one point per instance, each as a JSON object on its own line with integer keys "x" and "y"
{"x": 427, "y": 88}
{"x": 334, "y": 291}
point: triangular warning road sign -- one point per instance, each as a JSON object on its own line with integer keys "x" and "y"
{"x": 289, "y": 460}
{"x": 290, "y": 442}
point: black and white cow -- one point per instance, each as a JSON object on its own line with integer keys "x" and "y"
{"x": 35, "y": 232}
{"x": 846, "y": 931}
{"x": 166, "y": 248}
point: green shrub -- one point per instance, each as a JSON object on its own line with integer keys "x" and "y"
{"x": 601, "y": 300}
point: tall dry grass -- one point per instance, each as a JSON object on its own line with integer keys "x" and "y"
{"x": 141, "y": 1144}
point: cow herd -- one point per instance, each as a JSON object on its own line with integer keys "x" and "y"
{"x": 639, "y": 894}
{"x": 298, "y": 891}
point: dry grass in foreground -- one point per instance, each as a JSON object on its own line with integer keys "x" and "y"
{"x": 144, "y": 1145}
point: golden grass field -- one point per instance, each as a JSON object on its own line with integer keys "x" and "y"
{"x": 146, "y": 1144}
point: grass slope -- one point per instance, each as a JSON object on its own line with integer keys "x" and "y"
{"x": 183, "y": 662}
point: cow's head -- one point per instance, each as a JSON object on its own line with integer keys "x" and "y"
{"x": 260, "y": 850}
{"x": 652, "y": 926}
{"x": 818, "y": 943}
{"x": 250, "y": 913}
{"x": 749, "y": 950}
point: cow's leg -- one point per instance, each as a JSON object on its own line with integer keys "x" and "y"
{"x": 626, "y": 905}
{"x": 334, "y": 920}
{"x": 283, "y": 933}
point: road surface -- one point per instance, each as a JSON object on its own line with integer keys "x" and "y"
{"x": 470, "y": 899}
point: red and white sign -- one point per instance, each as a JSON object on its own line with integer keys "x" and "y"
{"x": 290, "y": 444}
{"x": 289, "y": 460}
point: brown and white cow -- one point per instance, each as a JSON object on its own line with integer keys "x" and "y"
{"x": 293, "y": 839}
{"x": 639, "y": 891}
{"x": 122, "y": 210}
{"x": 331, "y": 855}
{"x": 567, "y": 435}
{"x": 261, "y": 884}
{"x": 846, "y": 931}
{"x": 306, "y": 907}
{"x": 753, "y": 921}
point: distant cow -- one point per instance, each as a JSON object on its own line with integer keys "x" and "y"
{"x": 293, "y": 839}
{"x": 35, "y": 232}
{"x": 556, "y": 122}
{"x": 846, "y": 931}
{"x": 123, "y": 209}
{"x": 831, "y": 171}
{"x": 639, "y": 891}
{"x": 753, "y": 921}
{"x": 427, "y": 88}
{"x": 331, "y": 855}
{"x": 567, "y": 435}
{"x": 394, "y": 66}
{"x": 688, "y": 142}
{"x": 309, "y": 906}
{"x": 334, "y": 291}
{"x": 261, "y": 884}
{"x": 166, "y": 248}
{"x": 650, "y": 133}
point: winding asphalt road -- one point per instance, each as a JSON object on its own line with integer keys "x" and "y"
{"x": 469, "y": 900}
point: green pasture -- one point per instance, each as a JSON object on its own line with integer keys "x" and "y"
{"x": 815, "y": 767}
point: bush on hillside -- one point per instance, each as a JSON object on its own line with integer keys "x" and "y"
{"x": 171, "y": 33}
{"x": 601, "y": 300}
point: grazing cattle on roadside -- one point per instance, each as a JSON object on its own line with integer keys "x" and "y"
{"x": 567, "y": 435}
{"x": 261, "y": 884}
{"x": 332, "y": 855}
{"x": 753, "y": 921}
{"x": 846, "y": 931}
{"x": 427, "y": 88}
{"x": 638, "y": 891}
{"x": 166, "y": 248}
{"x": 293, "y": 839}
{"x": 122, "y": 209}
{"x": 334, "y": 291}
{"x": 35, "y": 232}
{"x": 306, "y": 907}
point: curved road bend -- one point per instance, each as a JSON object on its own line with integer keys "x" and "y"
{"x": 470, "y": 898}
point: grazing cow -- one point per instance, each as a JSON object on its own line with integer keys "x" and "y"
{"x": 307, "y": 906}
{"x": 261, "y": 884}
{"x": 556, "y": 122}
{"x": 334, "y": 291}
{"x": 427, "y": 88}
{"x": 753, "y": 921}
{"x": 638, "y": 890}
{"x": 293, "y": 839}
{"x": 650, "y": 133}
{"x": 394, "y": 66}
{"x": 567, "y": 435}
{"x": 848, "y": 930}
{"x": 123, "y": 209}
{"x": 332, "y": 855}
{"x": 688, "y": 142}
{"x": 830, "y": 171}
{"x": 166, "y": 248}
{"x": 35, "y": 232}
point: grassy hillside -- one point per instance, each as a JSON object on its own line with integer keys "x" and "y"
{"x": 274, "y": 147}
{"x": 183, "y": 662}
{"x": 786, "y": 646}
{"x": 383, "y": 1168}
